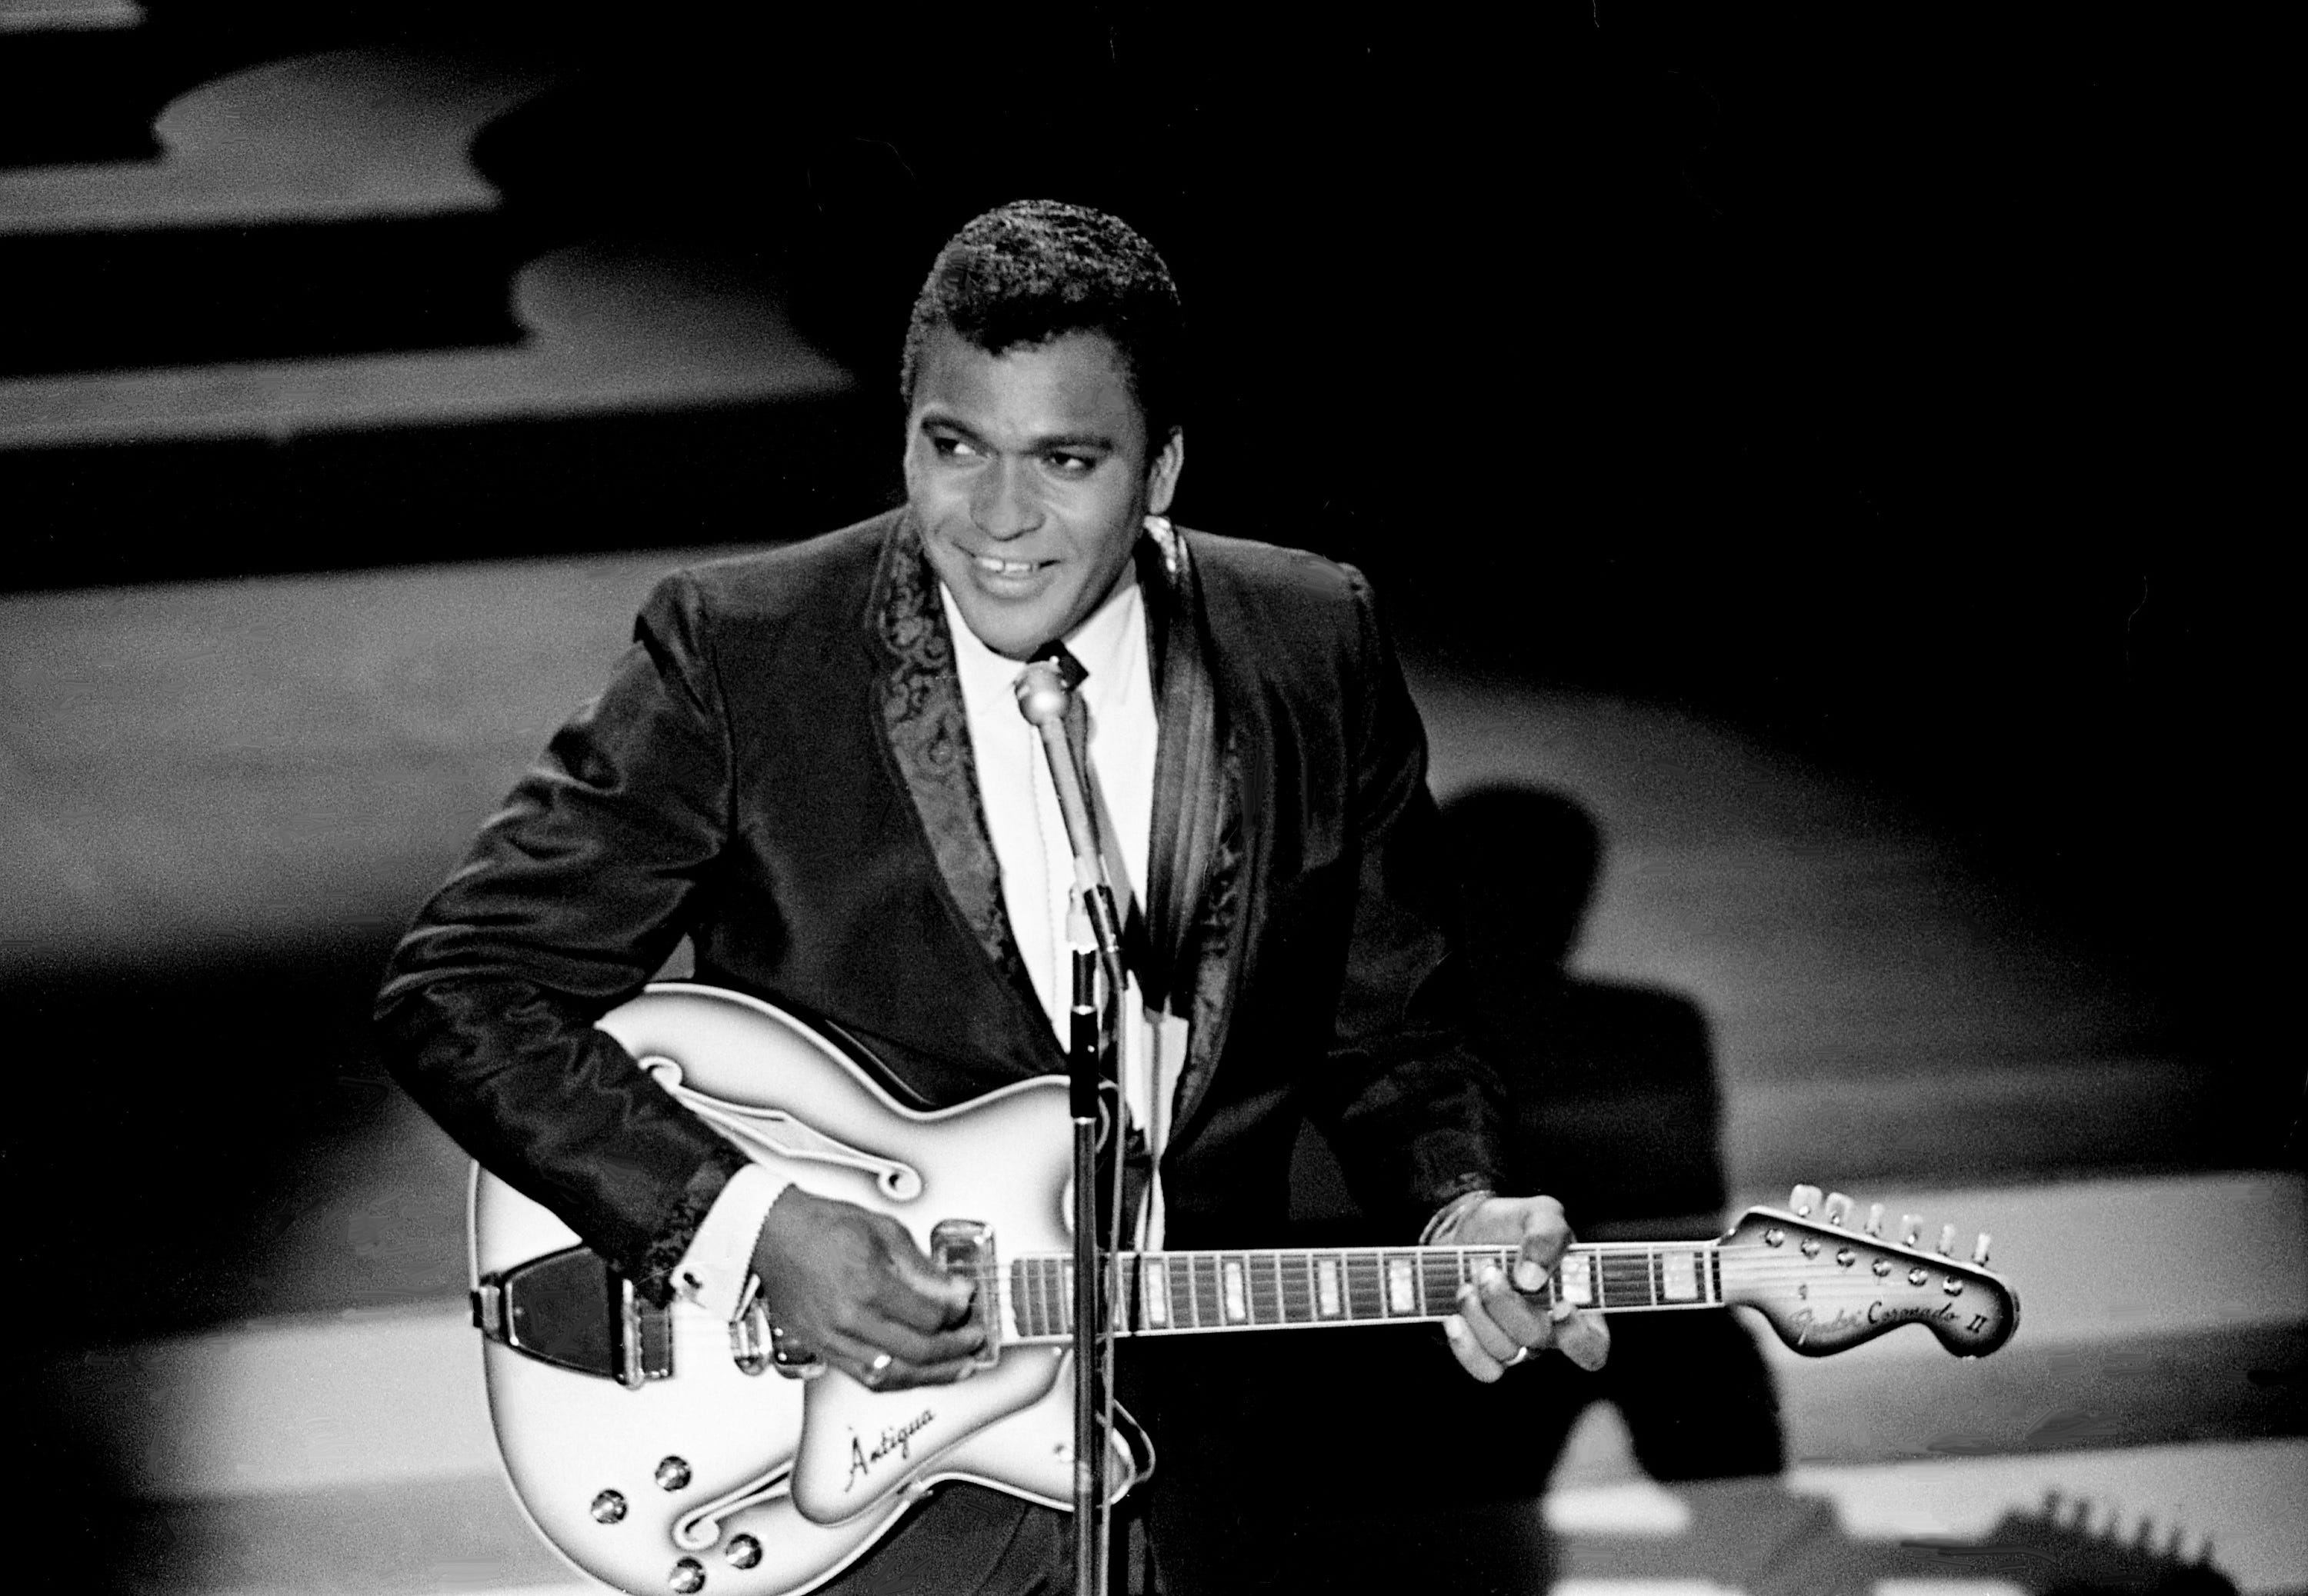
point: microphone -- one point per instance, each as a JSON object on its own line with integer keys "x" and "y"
{"x": 1043, "y": 695}
{"x": 1044, "y": 698}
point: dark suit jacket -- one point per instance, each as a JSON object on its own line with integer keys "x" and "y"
{"x": 781, "y": 770}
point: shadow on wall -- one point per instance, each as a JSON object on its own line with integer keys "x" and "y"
{"x": 1617, "y": 1114}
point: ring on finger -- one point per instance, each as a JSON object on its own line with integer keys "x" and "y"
{"x": 1520, "y": 1354}
{"x": 877, "y": 1369}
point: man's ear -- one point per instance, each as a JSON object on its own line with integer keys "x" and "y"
{"x": 1162, "y": 475}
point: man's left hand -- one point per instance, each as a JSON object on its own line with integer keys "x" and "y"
{"x": 1500, "y": 1319}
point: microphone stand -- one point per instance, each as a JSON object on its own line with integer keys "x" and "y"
{"x": 1095, "y": 931}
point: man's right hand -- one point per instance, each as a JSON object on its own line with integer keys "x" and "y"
{"x": 850, "y": 1286}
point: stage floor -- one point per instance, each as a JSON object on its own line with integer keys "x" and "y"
{"x": 300, "y": 759}
{"x": 1915, "y": 1474}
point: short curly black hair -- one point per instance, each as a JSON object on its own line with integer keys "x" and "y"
{"x": 1036, "y": 270}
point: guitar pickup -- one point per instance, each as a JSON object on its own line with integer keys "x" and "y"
{"x": 572, "y": 1310}
{"x": 966, "y": 1247}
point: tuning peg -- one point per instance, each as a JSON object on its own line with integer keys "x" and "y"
{"x": 1947, "y": 1240}
{"x": 1875, "y": 1226}
{"x": 1803, "y": 1199}
{"x": 1839, "y": 1209}
{"x": 1979, "y": 1250}
{"x": 1911, "y": 1229}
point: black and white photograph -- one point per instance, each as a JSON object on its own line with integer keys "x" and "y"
{"x": 1146, "y": 800}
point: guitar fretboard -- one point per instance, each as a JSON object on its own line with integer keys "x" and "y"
{"x": 1157, "y": 1293}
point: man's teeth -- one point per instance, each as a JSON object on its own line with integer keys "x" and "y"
{"x": 988, "y": 562}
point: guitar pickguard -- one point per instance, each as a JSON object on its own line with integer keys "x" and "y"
{"x": 859, "y": 1445}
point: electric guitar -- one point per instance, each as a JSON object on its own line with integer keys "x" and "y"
{"x": 658, "y": 1450}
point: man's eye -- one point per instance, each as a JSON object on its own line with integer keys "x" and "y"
{"x": 1071, "y": 464}
{"x": 951, "y": 449}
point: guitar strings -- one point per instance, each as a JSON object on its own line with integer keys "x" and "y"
{"x": 1743, "y": 1272}
{"x": 1268, "y": 1302}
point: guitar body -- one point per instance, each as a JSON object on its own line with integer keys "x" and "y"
{"x": 771, "y": 1485}
{"x": 661, "y": 1449}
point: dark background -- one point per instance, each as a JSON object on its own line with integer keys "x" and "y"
{"x": 1880, "y": 378}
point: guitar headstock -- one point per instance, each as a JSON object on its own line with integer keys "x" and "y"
{"x": 1827, "y": 1279}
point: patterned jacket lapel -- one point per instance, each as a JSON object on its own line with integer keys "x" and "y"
{"x": 919, "y": 698}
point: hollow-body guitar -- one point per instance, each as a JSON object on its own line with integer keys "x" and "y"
{"x": 658, "y": 1449}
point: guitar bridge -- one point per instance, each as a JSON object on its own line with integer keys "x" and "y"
{"x": 572, "y": 1310}
{"x": 966, "y": 1247}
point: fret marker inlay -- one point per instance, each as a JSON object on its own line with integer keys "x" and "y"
{"x": 1158, "y": 1295}
{"x": 1237, "y": 1309}
{"x": 1326, "y": 1288}
{"x": 1401, "y": 1293}
{"x": 1679, "y": 1276}
{"x": 1579, "y": 1278}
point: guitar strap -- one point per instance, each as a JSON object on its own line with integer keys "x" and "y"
{"x": 1158, "y": 937}
{"x": 1189, "y": 775}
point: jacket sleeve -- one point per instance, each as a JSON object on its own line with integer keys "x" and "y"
{"x": 576, "y": 890}
{"x": 1416, "y": 1118}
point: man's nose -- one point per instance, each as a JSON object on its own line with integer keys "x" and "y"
{"x": 1005, "y": 505}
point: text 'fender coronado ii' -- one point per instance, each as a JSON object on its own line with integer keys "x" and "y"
{"x": 658, "y": 1451}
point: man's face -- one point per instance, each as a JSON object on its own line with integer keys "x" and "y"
{"x": 1031, "y": 477}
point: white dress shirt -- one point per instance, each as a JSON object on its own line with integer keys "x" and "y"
{"x": 1028, "y": 834}
{"x": 1020, "y": 801}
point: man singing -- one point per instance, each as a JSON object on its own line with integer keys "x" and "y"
{"x": 812, "y": 764}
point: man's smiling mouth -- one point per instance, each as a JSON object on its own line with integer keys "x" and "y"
{"x": 993, "y": 566}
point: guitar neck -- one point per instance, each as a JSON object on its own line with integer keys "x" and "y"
{"x": 1176, "y": 1293}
